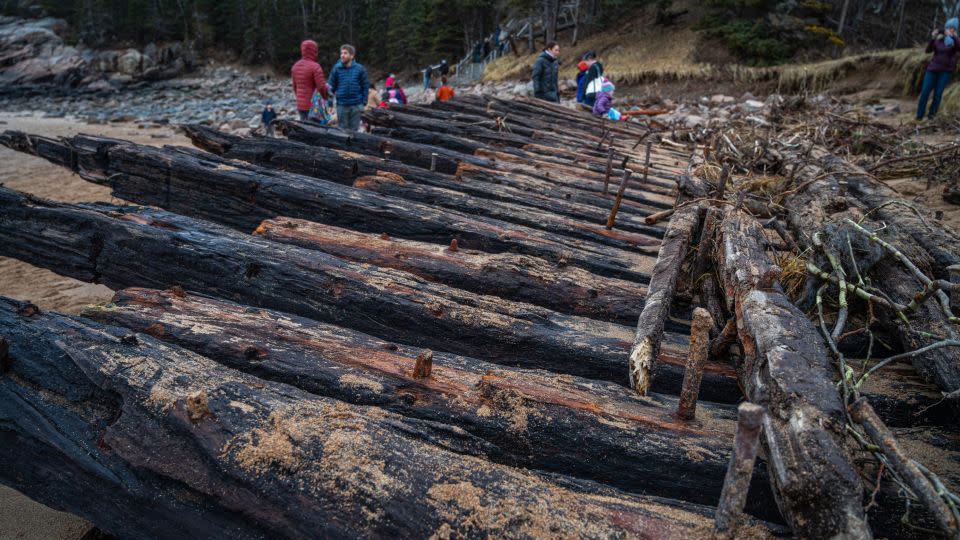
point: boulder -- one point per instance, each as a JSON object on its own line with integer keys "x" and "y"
{"x": 130, "y": 62}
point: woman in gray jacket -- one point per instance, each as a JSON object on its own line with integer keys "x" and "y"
{"x": 545, "y": 71}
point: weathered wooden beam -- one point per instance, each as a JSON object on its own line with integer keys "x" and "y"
{"x": 786, "y": 370}
{"x": 542, "y": 210}
{"x": 138, "y": 246}
{"x": 241, "y": 196}
{"x": 528, "y": 418}
{"x": 375, "y": 145}
{"x": 148, "y": 440}
{"x": 394, "y": 186}
{"x": 516, "y": 277}
{"x": 663, "y": 283}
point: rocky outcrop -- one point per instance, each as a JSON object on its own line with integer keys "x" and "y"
{"x": 34, "y": 55}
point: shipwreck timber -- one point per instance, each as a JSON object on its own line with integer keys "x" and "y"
{"x": 396, "y": 332}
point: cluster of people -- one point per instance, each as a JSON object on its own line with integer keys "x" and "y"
{"x": 594, "y": 90}
{"x": 348, "y": 86}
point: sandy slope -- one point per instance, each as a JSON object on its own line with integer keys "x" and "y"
{"x": 20, "y": 517}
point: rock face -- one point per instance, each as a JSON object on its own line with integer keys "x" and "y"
{"x": 33, "y": 55}
{"x": 31, "y": 52}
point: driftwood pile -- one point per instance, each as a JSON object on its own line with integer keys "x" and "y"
{"x": 429, "y": 330}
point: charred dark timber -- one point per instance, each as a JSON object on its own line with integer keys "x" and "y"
{"x": 415, "y": 183}
{"x": 137, "y": 246}
{"x": 563, "y": 178}
{"x": 148, "y": 440}
{"x": 447, "y": 161}
{"x": 241, "y": 196}
{"x": 527, "y": 418}
{"x": 515, "y": 277}
{"x": 391, "y": 178}
{"x": 787, "y": 371}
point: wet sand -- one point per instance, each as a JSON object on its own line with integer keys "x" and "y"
{"x": 20, "y": 517}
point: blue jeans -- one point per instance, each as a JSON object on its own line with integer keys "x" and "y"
{"x": 348, "y": 117}
{"x": 934, "y": 81}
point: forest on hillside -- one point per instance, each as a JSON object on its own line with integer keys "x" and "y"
{"x": 404, "y": 35}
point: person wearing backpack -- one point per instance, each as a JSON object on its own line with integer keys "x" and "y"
{"x": 545, "y": 71}
{"x": 592, "y": 79}
{"x": 349, "y": 83}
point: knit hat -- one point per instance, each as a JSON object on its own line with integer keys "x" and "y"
{"x": 589, "y": 55}
{"x": 951, "y": 23}
{"x": 607, "y": 86}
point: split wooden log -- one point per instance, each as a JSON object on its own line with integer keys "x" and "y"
{"x": 515, "y": 277}
{"x": 786, "y": 370}
{"x": 527, "y": 418}
{"x": 147, "y": 440}
{"x": 346, "y": 167}
{"x": 643, "y": 368}
{"x": 138, "y": 246}
{"x": 239, "y": 196}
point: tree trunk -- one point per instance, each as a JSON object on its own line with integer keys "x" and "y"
{"x": 824, "y": 203}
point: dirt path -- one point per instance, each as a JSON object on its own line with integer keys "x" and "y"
{"x": 20, "y": 517}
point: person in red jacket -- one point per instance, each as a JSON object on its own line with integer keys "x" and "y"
{"x": 307, "y": 76}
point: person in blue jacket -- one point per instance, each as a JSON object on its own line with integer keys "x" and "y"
{"x": 349, "y": 83}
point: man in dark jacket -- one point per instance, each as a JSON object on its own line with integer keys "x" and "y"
{"x": 307, "y": 76}
{"x": 350, "y": 84}
{"x": 545, "y": 70}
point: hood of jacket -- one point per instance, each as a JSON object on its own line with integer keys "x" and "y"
{"x": 308, "y": 50}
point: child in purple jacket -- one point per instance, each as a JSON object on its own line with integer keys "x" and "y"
{"x": 944, "y": 47}
{"x": 604, "y": 100}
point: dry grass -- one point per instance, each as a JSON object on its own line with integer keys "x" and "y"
{"x": 639, "y": 53}
{"x": 815, "y": 77}
{"x": 647, "y": 53}
{"x": 794, "y": 273}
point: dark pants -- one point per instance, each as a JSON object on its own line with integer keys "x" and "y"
{"x": 349, "y": 116}
{"x": 303, "y": 115}
{"x": 933, "y": 81}
{"x": 268, "y": 130}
